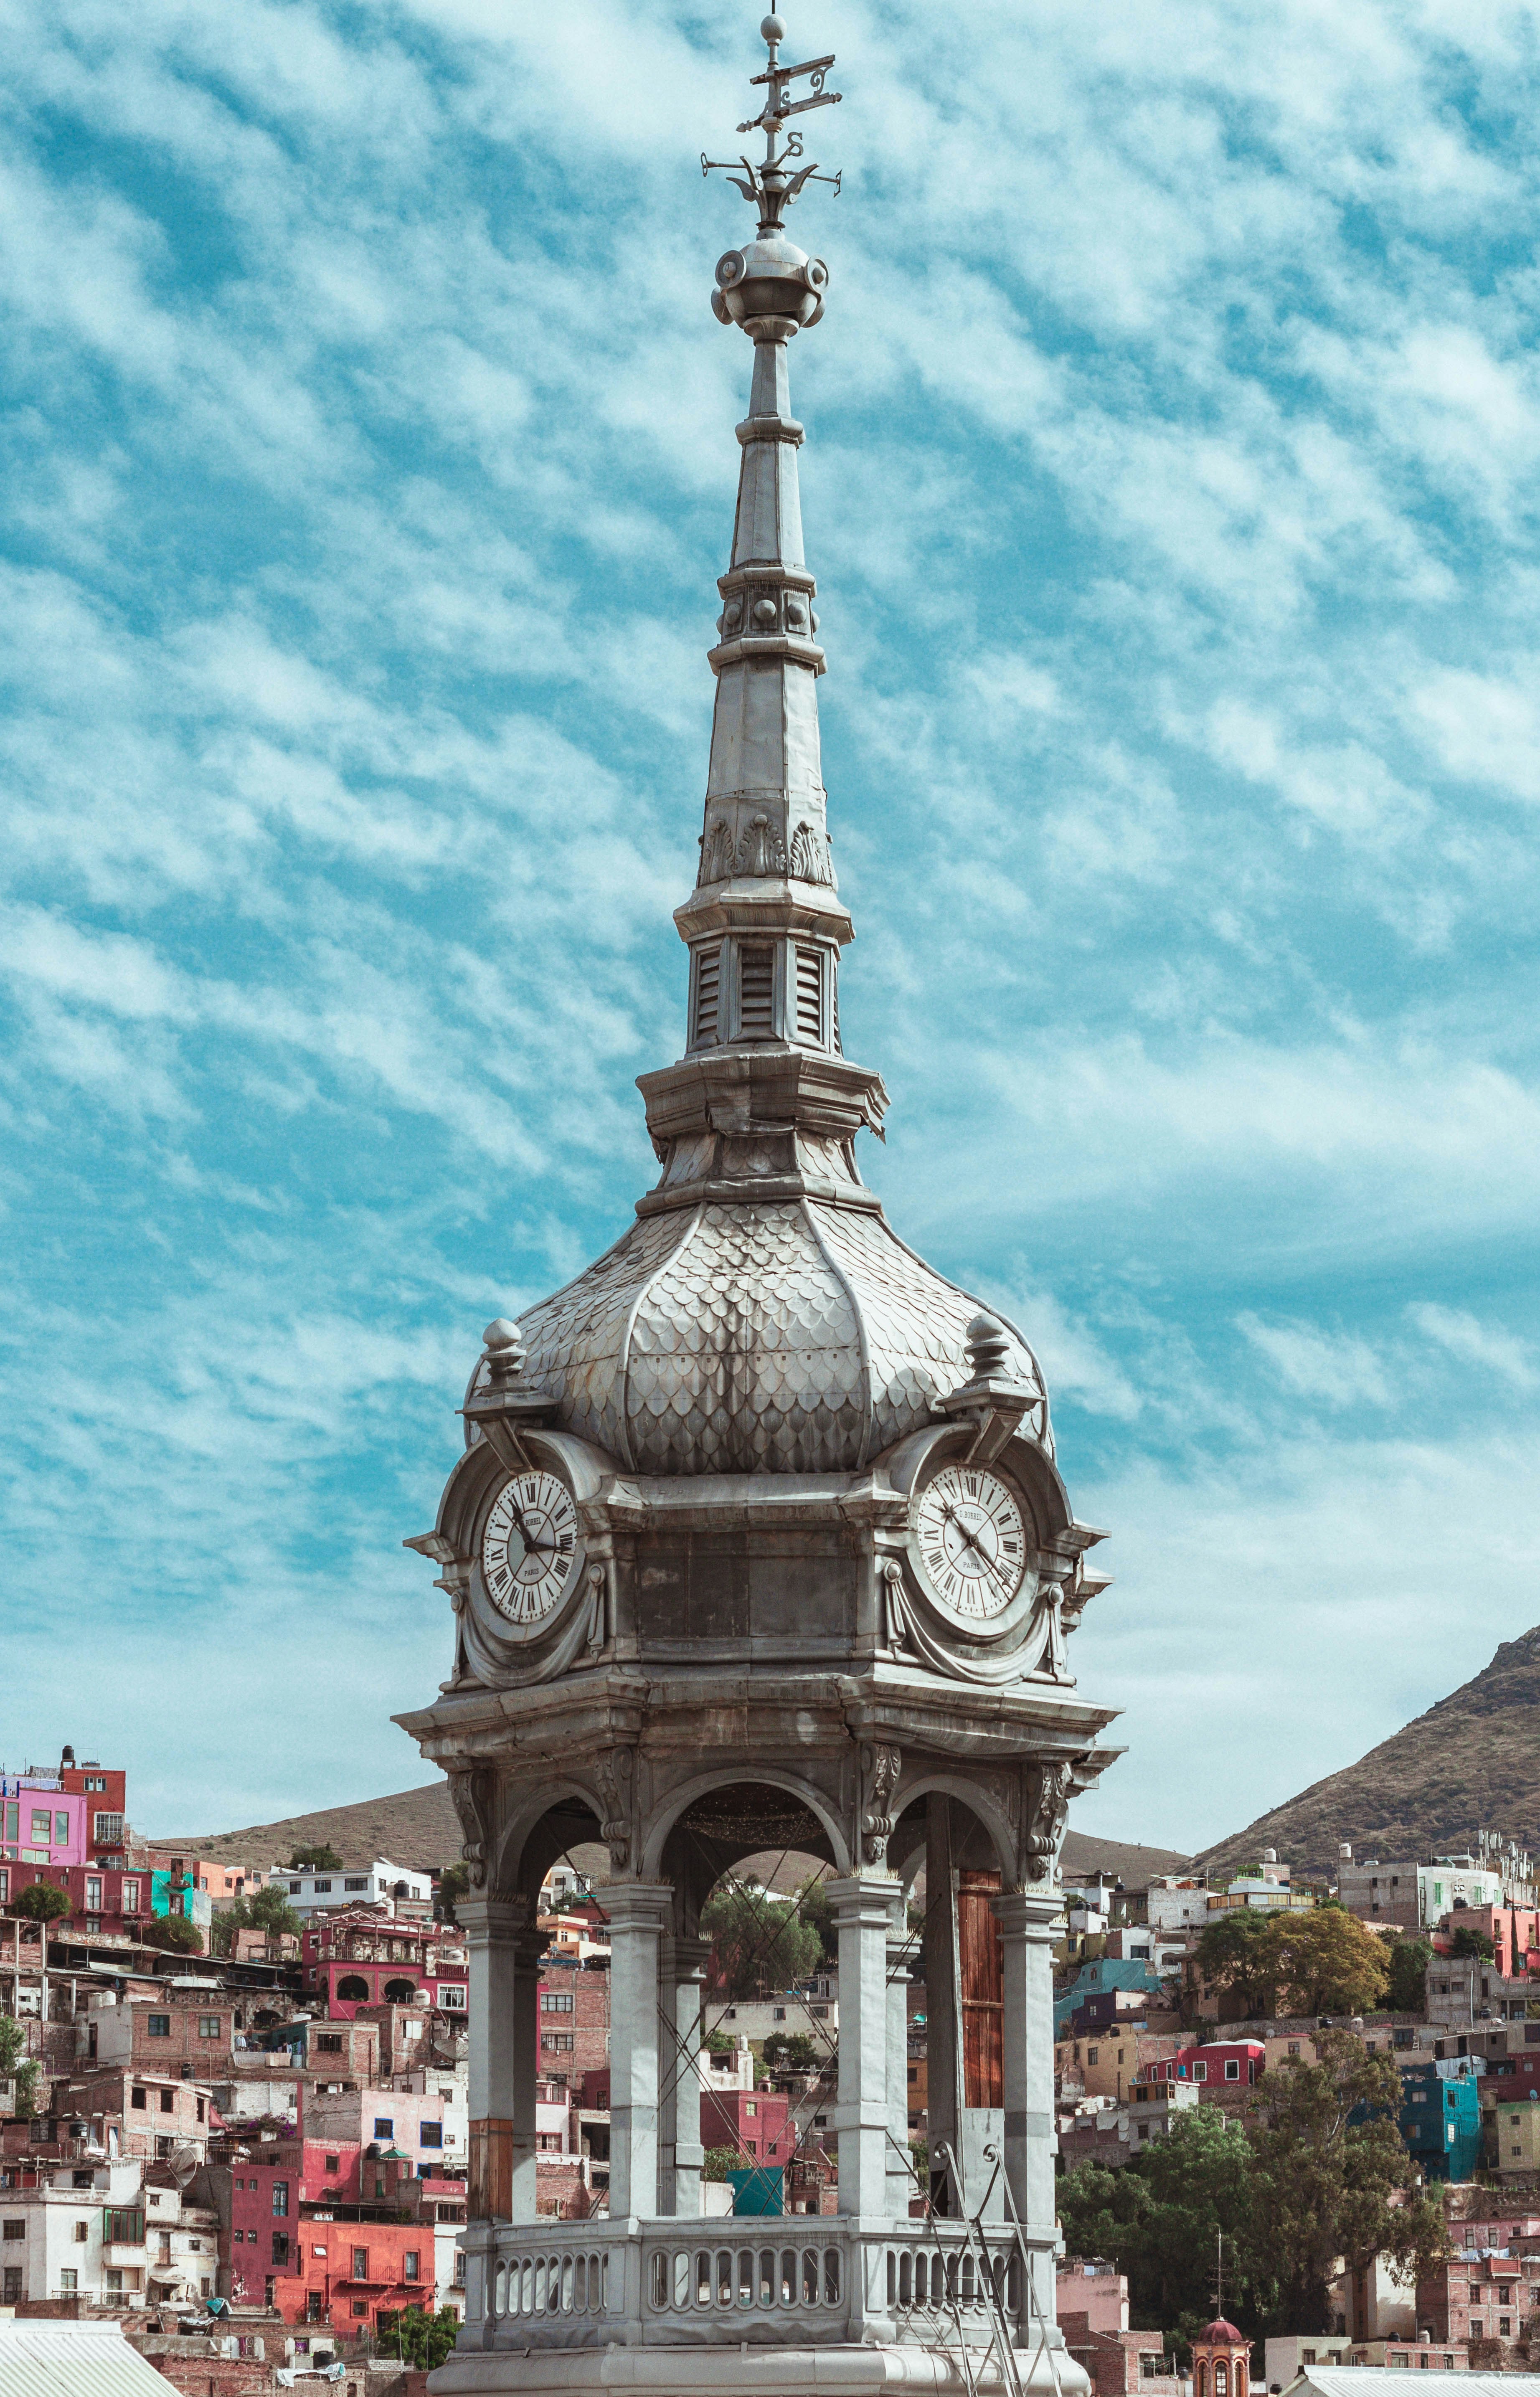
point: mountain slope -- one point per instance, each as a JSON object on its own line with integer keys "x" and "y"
{"x": 1472, "y": 1759}
{"x": 418, "y": 1828}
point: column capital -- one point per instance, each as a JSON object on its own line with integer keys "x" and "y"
{"x": 689, "y": 1958}
{"x": 866, "y": 1899}
{"x": 1027, "y": 1914}
{"x": 638, "y": 1904}
{"x": 486, "y": 1921}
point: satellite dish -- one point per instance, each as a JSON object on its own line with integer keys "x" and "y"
{"x": 183, "y": 2162}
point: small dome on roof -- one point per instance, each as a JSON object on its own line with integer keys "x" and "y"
{"x": 1221, "y": 2332}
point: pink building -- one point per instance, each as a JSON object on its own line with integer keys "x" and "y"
{"x": 41, "y": 1822}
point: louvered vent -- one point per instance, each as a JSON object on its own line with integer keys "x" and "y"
{"x": 709, "y": 982}
{"x": 757, "y": 994}
{"x": 834, "y": 994}
{"x": 810, "y": 996}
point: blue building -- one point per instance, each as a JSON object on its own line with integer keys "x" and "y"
{"x": 1442, "y": 2115}
{"x": 1093, "y": 1994}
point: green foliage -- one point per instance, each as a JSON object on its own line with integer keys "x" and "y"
{"x": 1409, "y": 1960}
{"x": 316, "y": 1858}
{"x": 422, "y": 2339}
{"x": 174, "y": 1933}
{"x": 1332, "y": 2180}
{"x": 1325, "y": 1963}
{"x": 720, "y": 2162}
{"x": 1232, "y": 1956}
{"x": 756, "y": 1939}
{"x": 792, "y": 2051}
{"x": 718, "y": 2043}
{"x": 1159, "y": 2217}
{"x": 264, "y": 1910}
{"x": 1468, "y": 1941}
{"x": 41, "y": 1902}
{"x": 454, "y": 1883}
{"x": 812, "y": 1900}
{"x": 14, "y": 2066}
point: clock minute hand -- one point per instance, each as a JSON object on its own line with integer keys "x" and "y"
{"x": 994, "y": 1566}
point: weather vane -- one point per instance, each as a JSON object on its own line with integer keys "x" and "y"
{"x": 776, "y": 182}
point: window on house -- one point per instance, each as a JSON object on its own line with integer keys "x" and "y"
{"x": 13, "y": 2230}
{"x": 157, "y": 2026}
{"x": 556, "y": 2043}
{"x": 357, "y": 1882}
{"x": 430, "y": 2134}
{"x": 167, "y": 2101}
{"x": 409, "y": 2263}
{"x": 452, "y": 1996}
{"x": 93, "y": 1895}
{"x": 323, "y": 1889}
{"x": 209, "y": 2025}
{"x": 385, "y": 2126}
{"x": 141, "y": 2101}
{"x": 280, "y": 2197}
{"x": 82, "y": 2232}
{"x": 280, "y": 2246}
{"x": 109, "y": 1830}
{"x": 334, "y": 2164}
{"x": 329, "y": 2042}
{"x": 360, "y": 2263}
{"x": 556, "y": 2002}
{"x": 1232, "y": 2069}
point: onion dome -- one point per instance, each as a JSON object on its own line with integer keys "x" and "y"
{"x": 1221, "y": 2332}
{"x": 783, "y": 1337}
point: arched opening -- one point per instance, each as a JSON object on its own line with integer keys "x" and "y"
{"x": 353, "y": 1989}
{"x": 400, "y": 1992}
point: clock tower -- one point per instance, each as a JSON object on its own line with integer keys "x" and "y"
{"x": 758, "y": 1543}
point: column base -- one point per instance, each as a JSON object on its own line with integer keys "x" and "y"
{"x": 732, "y": 2369}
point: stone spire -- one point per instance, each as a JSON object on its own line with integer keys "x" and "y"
{"x": 765, "y": 925}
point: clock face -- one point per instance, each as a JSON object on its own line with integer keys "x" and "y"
{"x": 529, "y": 1546}
{"x": 971, "y": 1542}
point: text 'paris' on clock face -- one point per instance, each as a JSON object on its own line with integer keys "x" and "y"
{"x": 527, "y": 1547}
{"x": 972, "y": 1542}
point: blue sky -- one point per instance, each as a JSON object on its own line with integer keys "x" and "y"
{"x": 1171, "y": 482}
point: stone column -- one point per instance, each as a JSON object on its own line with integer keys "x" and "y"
{"x": 1027, "y": 1923}
{"x": 902, "y": 2184}
{"x": 863, "y": 1909}
{"x": 681, "y": 2158}
{"x": 504, "y": 2046}
{"x": 639, "y": 1913}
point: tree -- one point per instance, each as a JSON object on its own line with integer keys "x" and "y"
{"x": 317, "y": 1858}
{"x": 174, "y": 1933}
{"x": 1333, "y": 2179}
{"x": 1468, "y": 1941}
{"x": 791, "y": 2052}
{"x": 756, "y": 1939}
{"x": 1232, "y": 1956}
{"x": 1159, "y": 2217}
{"x": 1325, "y": 1963}
{"x": 454, "y": 1883}
{"x": 422, "y": 2339}
{"x": 264, "y": 1910}
{"x": 812, "y": 1900}
{"x": 1409, "y": 1961}
{"x": 719, "y": 2162}
{"x": 41, "y": 1902}
{"x": 15, "y": 2066}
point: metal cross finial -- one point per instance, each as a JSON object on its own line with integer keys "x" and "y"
{"x": 772, "y": 184}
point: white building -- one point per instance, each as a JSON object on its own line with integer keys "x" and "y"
{"x": 36, "y": 2357}
{"x": 398, "y": 1887}
{"x": 99, "y": 2232}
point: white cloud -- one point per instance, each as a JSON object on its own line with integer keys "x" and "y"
{"x": 1334, "y": 1369}
{"x": 1475, "y": 1343}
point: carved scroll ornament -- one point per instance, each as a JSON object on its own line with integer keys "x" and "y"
{"x": 1055, "y": 1785}
{"x": 617, "y": 1774}
{"x": 879, "y": 1770}
{"x": 473, "y": 1790}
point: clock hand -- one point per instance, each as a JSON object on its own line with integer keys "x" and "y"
{"x": 995, "y": 1566}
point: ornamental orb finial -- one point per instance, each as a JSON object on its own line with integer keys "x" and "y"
{"x": 506, "y": 1353}
{"x": 773, "y": 29}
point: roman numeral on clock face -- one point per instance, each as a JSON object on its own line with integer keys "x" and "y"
{"x": 528, "y": 1544}
{"x": 971, "y": 1541}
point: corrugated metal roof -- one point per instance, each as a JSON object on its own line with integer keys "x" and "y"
{"x": 69, "y": 2359}
{"x": 1381, "y": 2381}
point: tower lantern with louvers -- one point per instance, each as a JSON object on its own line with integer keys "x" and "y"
{"x": 758, "y": 1544}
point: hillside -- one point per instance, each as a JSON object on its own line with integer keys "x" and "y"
{"x": 1472, "y": 1761}
{"x": 418, "y": 1828}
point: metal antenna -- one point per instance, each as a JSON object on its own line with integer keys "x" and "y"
{"x": 772, "y": 186}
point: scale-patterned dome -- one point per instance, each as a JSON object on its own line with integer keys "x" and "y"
{"x": 774, "y": 1337}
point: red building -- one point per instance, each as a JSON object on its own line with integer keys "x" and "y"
{"x": 106, "y": 1788}
{"x": 102, "y": 1897}
{"x": 1514, "y": 1931}
{"x": 296, "y": 2235}
{"x": 362, "y": 1957}
{"x": 574, "y": 2022}
{"x": 752, "y": 2121}
{"x": 1227, "y": 2066}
